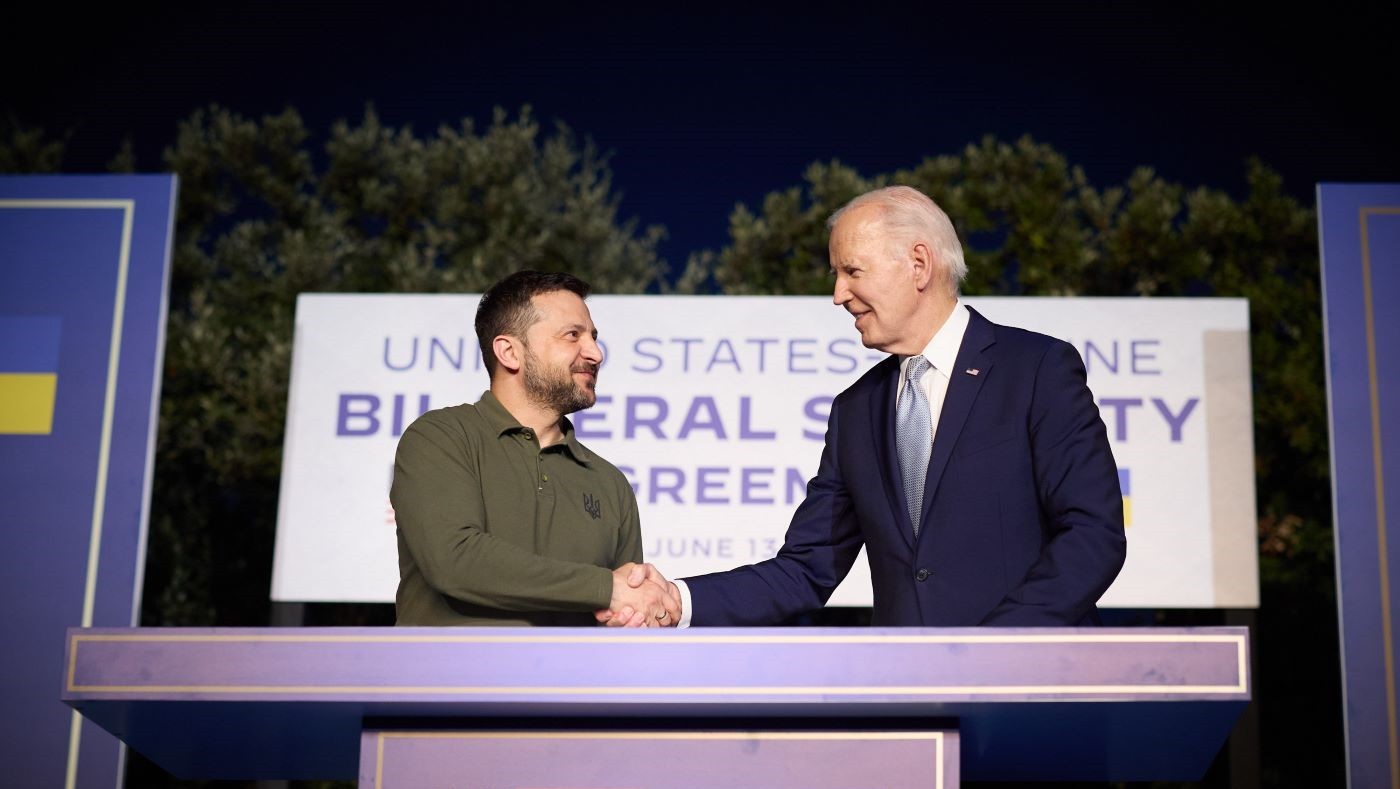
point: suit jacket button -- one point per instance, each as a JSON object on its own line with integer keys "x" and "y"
{"x": 921, "y": 575}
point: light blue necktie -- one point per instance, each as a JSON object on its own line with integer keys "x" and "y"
{"x": 912, "y": 439}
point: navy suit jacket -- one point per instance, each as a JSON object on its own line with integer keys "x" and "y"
{"x": 1022, "y": 519}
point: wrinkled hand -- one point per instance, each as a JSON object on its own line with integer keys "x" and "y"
{"x": 642, "y": 597}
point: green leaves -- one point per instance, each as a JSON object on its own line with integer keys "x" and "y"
{"x": 26, "y": 149}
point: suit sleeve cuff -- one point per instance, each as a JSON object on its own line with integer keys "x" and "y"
{"x": 685, "y": 603}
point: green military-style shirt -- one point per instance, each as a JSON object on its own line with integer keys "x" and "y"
{"x": 493, "y": 530}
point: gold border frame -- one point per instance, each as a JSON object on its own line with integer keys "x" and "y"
{"x": 1373, "y": 384}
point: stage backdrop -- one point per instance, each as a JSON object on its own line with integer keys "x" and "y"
{"x": 1359, "y": 226}
{"x": 84, "y": 265}
{"x": 715, "y": 409}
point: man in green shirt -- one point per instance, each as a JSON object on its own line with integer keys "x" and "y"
{"x": 504, "y": 518}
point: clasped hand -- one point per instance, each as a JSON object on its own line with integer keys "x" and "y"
{"x": 641, "y": 597}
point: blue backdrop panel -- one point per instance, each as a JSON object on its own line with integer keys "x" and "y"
{"x": 84, "y": 269}
{"x": 1360, "y": 234}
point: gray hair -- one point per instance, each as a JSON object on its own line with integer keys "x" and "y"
{"x": 911, "y": 217}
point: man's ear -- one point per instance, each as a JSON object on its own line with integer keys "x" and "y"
{"x": 925, "y": 265}
{"x": 510, "y": 353}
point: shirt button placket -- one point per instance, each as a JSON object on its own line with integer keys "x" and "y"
{"x": 540, "y": 477}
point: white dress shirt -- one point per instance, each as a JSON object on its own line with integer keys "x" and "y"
{"x": 942, "y": 353}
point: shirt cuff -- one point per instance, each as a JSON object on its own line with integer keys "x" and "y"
{"x": 685, "y": 603}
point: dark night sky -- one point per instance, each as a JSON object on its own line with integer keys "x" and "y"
{"x": 704, "y": 109}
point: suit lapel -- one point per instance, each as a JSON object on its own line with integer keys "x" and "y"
{"x": 882, "y": 421}
{"x": 963, "y": 387}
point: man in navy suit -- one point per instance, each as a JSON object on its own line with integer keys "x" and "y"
{"x": 1012, "y": 516}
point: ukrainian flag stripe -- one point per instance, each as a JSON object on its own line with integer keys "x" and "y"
{"x": 26, "y": 402}
{"x": 1125, "y": 482}
{"x": 29, "y": 344}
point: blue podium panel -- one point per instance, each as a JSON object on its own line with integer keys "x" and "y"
{"x": 1091, "y": 704}
{"x": 84, "y": 265}
{"x": 1360, "y": 234}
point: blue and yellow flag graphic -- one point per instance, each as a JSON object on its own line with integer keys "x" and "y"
{"x": 28, "y": 374}
{"x": 1125, "y": 482}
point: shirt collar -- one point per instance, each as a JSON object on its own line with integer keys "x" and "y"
{"x": 502, "y": 422}
{"x": 942, "y": 348}
{"x": 578, "y": 450}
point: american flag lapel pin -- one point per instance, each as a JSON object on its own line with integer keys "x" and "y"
{"x": 972, "y": 371}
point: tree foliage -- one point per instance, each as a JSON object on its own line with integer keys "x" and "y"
{"x": 28, "y": 149}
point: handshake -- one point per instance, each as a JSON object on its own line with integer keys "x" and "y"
{"x": 641, "y": 597}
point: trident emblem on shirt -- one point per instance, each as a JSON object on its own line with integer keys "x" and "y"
{"x": 592, "y": 506}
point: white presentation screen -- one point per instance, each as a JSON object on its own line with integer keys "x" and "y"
{"x": 715, "y": 409}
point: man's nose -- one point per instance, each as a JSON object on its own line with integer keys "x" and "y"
{"x": 592, "y": 351}
{"x": 841, "y": 293}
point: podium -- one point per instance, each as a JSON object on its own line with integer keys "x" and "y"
{"x": 811, "y": 707}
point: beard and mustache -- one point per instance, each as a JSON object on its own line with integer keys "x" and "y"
{"x": 554, "y": 387}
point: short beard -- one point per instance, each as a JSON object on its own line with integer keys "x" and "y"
{"x": 560, "y": 394}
